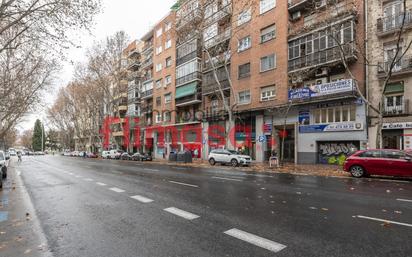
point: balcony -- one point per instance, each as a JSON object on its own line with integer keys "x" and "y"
{"x": 221, "y": 37}
{"x": 132, "y": 76}
{"x": 147, "y": 63}
{"x": 134, "y": 65}
{"x": 321, "y": 58}
{"x": 189, "y": 100}
{"x": 326, "y": 91}
{"x": 147, "y": 94}
{"x": 187, "y": 57}
{"x": 218, "y": 61}
{"x": 188, "y": 78}
{"x": 192, "y": 17}
{"x": 147, "y": 48}
{"x": 401, "y": 67}
{"x": 133, "y": 53}
{"x": 397, "y": 110}
{"x": 224, "y": 12}
{"x": 210, "y": 85}
{"x": 297, "y": 5}
{"x": 393, "y": 23}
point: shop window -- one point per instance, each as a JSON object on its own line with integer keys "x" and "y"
{"x": 336, "y": 114}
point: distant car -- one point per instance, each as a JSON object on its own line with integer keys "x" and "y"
{"x": 125, "y": 156}
{"x": 91, "y": 155}
{"x": 105, "y": 154}
{"x": 67, "y": 153}
{"x": 141, "y": 157}
{"x": 228, "y": 157}
{"x": 12, "y": 152}
{"x": 75, "y": 153}
{"x": 115, "y": 154}
{"x": 379, "y": 162}
{"x": 7, "y": 155}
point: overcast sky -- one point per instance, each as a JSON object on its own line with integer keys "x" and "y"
{"x": 135, "y": 17}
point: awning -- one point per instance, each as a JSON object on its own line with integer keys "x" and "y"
{"x": 394, "y": 88}
{"x": 186, "y": 90}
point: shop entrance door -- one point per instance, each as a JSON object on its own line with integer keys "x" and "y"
{"x": 393, "y": 139}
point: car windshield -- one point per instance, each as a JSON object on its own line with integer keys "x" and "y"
{"x": 233, "y": 152}
{"x": 1, "y": 157}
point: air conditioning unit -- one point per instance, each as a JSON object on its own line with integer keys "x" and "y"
{"x": 322, "y": 73}
{"x": 320, "y": 4}
{"x": 296, "y": 15}
{"x": 296, "y": 79}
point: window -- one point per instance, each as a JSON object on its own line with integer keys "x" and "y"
{"x": 158, "y": 101}
{"x": 244, "y": 97}
{"x": 188, "y": 68}
{"x": 168, "y": 26}
{"x": 266, "y": 5}
{"x": 210, "y": 32}
{"x": 168, "y": 61}
{"x": 159, "y": 50}
{"x": 244, "y": 43}
{"x": 244, "y": 70}
{"x": 159, "y": 83}
{"x": 370, "y": 154}
{"x": 158, "y": 118}
{"x": 159, "y": 67}
{"x": 244, "y": 16}
{"x": 393, "y": 154}
{"x": 267, "y": 93}
{"x": 159, "y": 32}
{"x": 167, "y": 116}
{"x": 335, "y": 114}
{"x": 268, "y": 63}
{"x": 168, "y": 44}
{"x": 214, "y": 105}
{"x": 267, "y": 33}
{"x": 168, "y": 98}
{"x": 168, "y": 80}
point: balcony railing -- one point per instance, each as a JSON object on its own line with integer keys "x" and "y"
{"x": 402, "y": 66}
{"x": 214, "y": 87}
{"x": 187, "y": 57}
{"x": 134, "y": 65}
{"x": 190, "y": 77}
{"x": 147, "y": 93}
{"x": 397, "y": 110}
{"x": 147, "y": 63}
{"x": 297, "y": 5}
{"x": 192, "y": 17}
{"x": 147, "y": 47}
{"x": 220, "y": 14}
{"x": 393, "y": 22}
{"x": 326, "y": 56}
{"x": 189, "y": 100}
{"x": 221, "y": 37}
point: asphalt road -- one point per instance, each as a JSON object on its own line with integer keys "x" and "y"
{"x": 115, "y": 208}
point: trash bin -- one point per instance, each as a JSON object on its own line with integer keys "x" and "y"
{"x": 188, "y": 157}
{"x": 181, "y": 157}
{"x": 173, "y": 157}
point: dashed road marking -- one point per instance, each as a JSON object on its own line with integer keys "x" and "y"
{"x": 100, "y": 184}
{"x": 383, "y": 220}
{"x": 71, "y": 174}
{"x": 181, "y": 213}
{"x": 117, "y": 190}
{"x": 151, "y": 169}
{"x": 231, "y": 179}
{"x": 141, "y": 199}
{"x": 255, "y": 240}
{"x": 88, "y": 179}
{"x": 183, "y": 184}
{"x": 404, "y": 200}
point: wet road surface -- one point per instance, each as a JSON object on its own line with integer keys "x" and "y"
{"x": 114, "y": 208}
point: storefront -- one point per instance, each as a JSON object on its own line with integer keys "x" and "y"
{"x": 397, "y": 135}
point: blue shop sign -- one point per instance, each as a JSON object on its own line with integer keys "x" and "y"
{"x": 334, "y": 127}
{"x": 336, "y": 87}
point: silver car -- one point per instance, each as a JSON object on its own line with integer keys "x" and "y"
{"x": 228, "y": 157}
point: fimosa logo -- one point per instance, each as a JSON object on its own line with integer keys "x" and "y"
{"x": 214, "y": 135}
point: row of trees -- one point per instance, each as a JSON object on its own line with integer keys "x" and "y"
{"x": 34, "y": 35}
{"x": 79, "y": 108}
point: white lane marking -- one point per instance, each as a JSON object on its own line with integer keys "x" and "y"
{"x": 77, "y": 176}
{"x": 404, "y": 200}
{"x": 255, "y": 240}
{"x": 71, "y": 174}
{"x": 141, "y": 199}
{"x": 183, "y": 184}
{"x": 232, "y": 179}
{"x": 100, "y": 184}
{"x": 88, "y": 179}
{"x": 182, "y": 213}
{"x": 150, "y": 169}
{"x": 383, "y": 220}
{"x": 117, "y": 190}
{"x": 393, "y": 180}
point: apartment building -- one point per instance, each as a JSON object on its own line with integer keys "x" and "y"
{"x": 326, "y": 42}
{"x": 389, "y": 35}
{"x": 164, "y": 91}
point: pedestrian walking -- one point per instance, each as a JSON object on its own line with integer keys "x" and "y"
{"x": 273, "y": 160}
{"x": 19, "y": 159}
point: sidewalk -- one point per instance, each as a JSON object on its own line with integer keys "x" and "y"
{"x": 303, "y": 169}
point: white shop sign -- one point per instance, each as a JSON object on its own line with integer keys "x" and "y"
{"x": 397, "y": 125}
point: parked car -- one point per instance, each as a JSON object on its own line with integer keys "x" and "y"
{"x": 115, "y": 154}
{"x": 228, "y": 157}
{"x": 91, "y": 155}
{"x": 105, "y": 154}
{"x": 12, "y": 152}
{"x": 125, "y": 156}
{"x": 141, "y": 157}
{"x": 67, "y": 153}
{"x": 379, "y": 162}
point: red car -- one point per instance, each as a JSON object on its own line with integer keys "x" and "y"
{"x": 379, "y": 162}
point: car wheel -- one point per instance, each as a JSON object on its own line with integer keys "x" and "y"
{"x": 234, "y": 163}
{"x": 212, "y": 161}
{"x": 357, "y": 171}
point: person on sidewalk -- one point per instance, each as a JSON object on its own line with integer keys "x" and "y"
{"x": 273, "y": 160}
